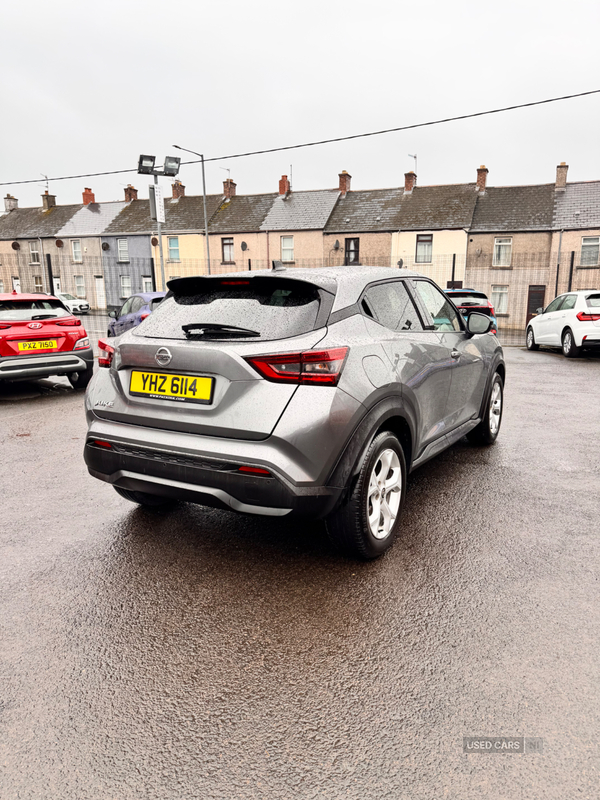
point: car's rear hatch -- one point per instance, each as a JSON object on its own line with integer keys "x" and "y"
{"x": 472, "y": 301}
{"x": 29, "y": 328}
{"x": 198, "y": 380}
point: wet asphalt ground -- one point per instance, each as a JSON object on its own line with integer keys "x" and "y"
{"x": 201, "y": 654}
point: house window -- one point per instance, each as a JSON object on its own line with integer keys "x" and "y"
{"x": 34, "y": 253}
{"x": 287, "y": 248}
{"x": 37, "y": 283}
{"x": 79, "y": 285}
{"x": 76, "y": 251}
{"x": 173, "y": 242}
{"x": 125, "y": 285}
{"x": 147, "y": 283}
{"x": 502, "y": 252}
{"x": 500, "y": 299}
{"x": 590, "y": 247}
{"x": 351, "y": 251}
{"x": 123, "y": 249}
{"x": 227, "y": 250}
{"x": 1, "y": 286}
{"x": 424, "y": 248}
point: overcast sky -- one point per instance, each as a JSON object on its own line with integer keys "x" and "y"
{"x": 87, "y": 87}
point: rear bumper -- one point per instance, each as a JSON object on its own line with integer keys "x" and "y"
{"x": 204, "y": 480}
{"x": 15, "y": 368}
{"x": 591, "y": 340}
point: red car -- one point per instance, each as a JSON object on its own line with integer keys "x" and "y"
{"x": 40, "y": 337}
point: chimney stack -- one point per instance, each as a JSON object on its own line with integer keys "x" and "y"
{"x": 10, "y": 203}
{"x": 229, "y": 188}
{"x": 130, "y": 193}
{"x": 48, "y": 201}
{"x": 561, "y": 177}
{"x": 284, "y": 185}
{"x": 482, "y": 174}
{"x": 345, "y": 179}
{"x": 178, "y": 190}
{"x": 88, "y": 197}
{"x": 410, "y": 180}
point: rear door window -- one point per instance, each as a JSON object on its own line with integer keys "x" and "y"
{"x": 391, "y": 305}
{"x": 273, "y": 308}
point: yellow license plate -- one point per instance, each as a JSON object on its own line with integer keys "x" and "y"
{"x": 186, "y": 388}
{"x": 46, "y": 344}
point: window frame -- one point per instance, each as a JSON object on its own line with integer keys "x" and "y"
{"x": 424, "y": 239}
{"x": 500, "y": 242}
{"x": 171, "y": 248}
{"x": 126, "y": 278}
{"x": 348, "y": 250}
{"x": 583, "y": 262}
{"x": 38, "y": 284}
{"x": 34, "y": 248}
{"x": 75, "y": 277}
{"x": 497, "y": 308}
{"x": 76, "y": 259}
{"x": 121, "y": 260}
{"x": 288, "y": 249}
{"x": 227, "y": 245}
{"x": 144, "y": 279}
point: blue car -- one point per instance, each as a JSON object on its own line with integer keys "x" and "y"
{"x": 467, "y": 300}
{"x": 133, "y": 311}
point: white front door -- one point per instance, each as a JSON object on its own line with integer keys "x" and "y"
{"x": 56, "y": 282}
{"x": 100, "y": 292}
{"x": 16, "y": 283}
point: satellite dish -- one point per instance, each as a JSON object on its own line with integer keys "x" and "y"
{"x": 154, "y": 241}
{"x": 244, "y": 246}
{"x": 59, "y": 243}
{"x": 105, "y": 246}
{"x": 336, "y": 246}
{"x": 16, "y": 246}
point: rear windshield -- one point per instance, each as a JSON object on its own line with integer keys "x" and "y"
{"x": 593, "y": 300}
{"x": 469, "y": 299}
{"x": 18, "y": 310}
{"x": 272, "y": 308}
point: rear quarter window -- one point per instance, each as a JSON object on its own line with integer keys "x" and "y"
{"x": 593, "y": 300}
{"x": 275, "y": 308}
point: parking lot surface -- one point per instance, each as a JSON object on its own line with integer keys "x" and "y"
{"x": 200, "y": 654}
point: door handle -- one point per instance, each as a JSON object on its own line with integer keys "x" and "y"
{"x": 455, "y": 354}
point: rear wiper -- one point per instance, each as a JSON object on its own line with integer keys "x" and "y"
{"x": 212, "y": 329}
{"x": 44, "y": 316}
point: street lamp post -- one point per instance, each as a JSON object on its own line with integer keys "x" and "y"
{"x": 170, "y": 168}
{"x": 193, "y": 152}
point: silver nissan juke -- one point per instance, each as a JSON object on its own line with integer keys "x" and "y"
{"x": 293, "y": 391}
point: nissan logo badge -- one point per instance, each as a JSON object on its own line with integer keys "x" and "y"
{"x": 163, "y": 356}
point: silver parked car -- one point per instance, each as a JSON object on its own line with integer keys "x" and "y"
{"x": 310, "y": 392}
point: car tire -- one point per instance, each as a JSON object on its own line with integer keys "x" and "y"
{"x": 569, "y": 348}
{"x": 144, "y": 499}
{"x": 530, "y": 340}
{"x": 488, "y": 429}
{"x": 356, "y": 528}
{"x": 79, "y": 380}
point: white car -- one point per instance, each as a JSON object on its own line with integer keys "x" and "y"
{"x": 76, "y": 305}
{"x": 571, "y": 321}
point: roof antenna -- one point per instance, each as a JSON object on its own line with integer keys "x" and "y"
{"x": 291, "y": 177}
{"x": 415, "y": 158}
{"x": 228, "y": 171}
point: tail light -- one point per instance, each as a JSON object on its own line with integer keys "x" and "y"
{"x": 106, "y": 353}
{"x": 69, "y": 322}
{"x": 314, "y": 366}
{"x": 4, "y": 326}
{"x": 255, "y": 471}
{"x": 583, "y": 316}
{"x": 100, "y": 443}
{"x": 144, "y": 315}
{"x": 82, "y": 343}
{"x": 491, "y": 307}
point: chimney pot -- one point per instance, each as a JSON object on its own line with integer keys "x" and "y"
{"x": 482, "y": 174}
{"x": 10, "y": 203}
{"x": 178, "y": 190}
{"x": 284, "y": 185}
{"x": 561, "y": 177}
{"x": 131, "y": 193}
{"x": 345, "y": 179}
{"x": 48, "y": 201}
{"x": 410, "y": 180}
{"x": 88, "y": 197}
{"x": 229, "y": 188}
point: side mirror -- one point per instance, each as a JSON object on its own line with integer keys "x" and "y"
{"x": 112, "y": 314}
{"x": 478, "y": 323}
{"x": 539, "y": 311}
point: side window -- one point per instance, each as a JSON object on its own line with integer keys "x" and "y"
{"x": 126, "y": 308}
{"x": 438, "y": 306}
{"x": 570, "y": 301}
{"x": 555, "y": 304}
{"x": 391, "y": 305}
{"x": 138, "y": 303}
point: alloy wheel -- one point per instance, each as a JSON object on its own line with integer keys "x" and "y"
{"x": 385, "y": 490}
{"x": 495, "y": 408}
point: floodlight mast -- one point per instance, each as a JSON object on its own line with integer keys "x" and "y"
{"x": 194, "y": 153}
{"x": 170, "y": 168}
